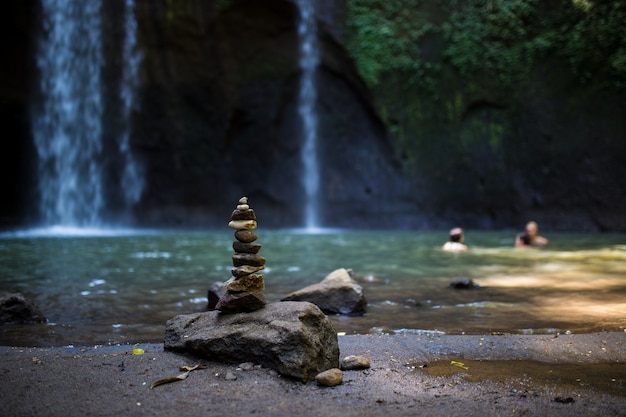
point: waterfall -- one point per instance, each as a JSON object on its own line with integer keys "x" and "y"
{"x": 68, "y": 124}
{"x": 67, "y": 131}
{"x": 309, "y": 60}
{"x": 132, "y": 180}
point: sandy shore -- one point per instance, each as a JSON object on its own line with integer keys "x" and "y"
{"x": 568, "y": 375}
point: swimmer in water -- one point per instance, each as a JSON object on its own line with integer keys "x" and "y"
{"x": 456, "y": 241}
{"x": 530, "y": 237}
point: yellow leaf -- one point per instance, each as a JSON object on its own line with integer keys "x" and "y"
{"x": 459, "y": 364}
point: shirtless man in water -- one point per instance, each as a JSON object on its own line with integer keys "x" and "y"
{"x": 530, "y": 237}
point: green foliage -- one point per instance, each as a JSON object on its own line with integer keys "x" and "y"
{"x": 384, "y": 36}
{"x": 592, "y": 38}
{"x": 459, "y": 84}
{"x": 223, "y": 5}
{"x": 507, "y": 39}
{"x": 499, "y": 39}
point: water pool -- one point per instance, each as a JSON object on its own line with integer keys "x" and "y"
{"x": 122, "y": 287}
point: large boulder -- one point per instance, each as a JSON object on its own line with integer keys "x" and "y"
{"x": 15, "y": 308}
{"x": 338, "y": 293}
{"x": 295, "y": 339}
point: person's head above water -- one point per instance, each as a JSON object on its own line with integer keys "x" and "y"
{"x": 530, "y": 236}
{"x": 456, "y": 235}
{"x": 532, "y": 228}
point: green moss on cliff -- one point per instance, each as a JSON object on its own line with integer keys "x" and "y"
{"x": 497, "y": 98}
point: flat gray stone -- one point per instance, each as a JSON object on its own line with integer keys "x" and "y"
{"x": 338, "y": 293}
{"x": 294, "y": 338}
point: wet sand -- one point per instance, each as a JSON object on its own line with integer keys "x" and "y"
{"x": 573, "y": 375}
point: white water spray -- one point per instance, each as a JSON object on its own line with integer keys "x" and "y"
{"x": 309, "y": 60}
{"x": 67, "y": 129}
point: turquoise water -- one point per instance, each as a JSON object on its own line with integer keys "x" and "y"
{"x": 123, "y": 287}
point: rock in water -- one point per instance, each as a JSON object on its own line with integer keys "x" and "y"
{"x": 215, "y": 292}
{"x": 294, "y": 338}
{"x": 337, "y": 293}
{"x": 243, "y": 289}
{"x": 464, "y": 284}
{"x": 15, "y": 308}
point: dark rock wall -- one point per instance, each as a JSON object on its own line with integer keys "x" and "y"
{"x": 217, "y": 119}
{"x": 18, "y": 160}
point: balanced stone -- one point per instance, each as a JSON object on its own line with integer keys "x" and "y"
{"x": 243, "y": 270}
{"x": 240, "y": 259}
{"x": 243, "y": 289}
{"x": 242, "y": 224}
{"x": 243, "y": 215}
{"x": 240, "y": 302}
{"x": 251, "y": 283}
{"x": 243, "y": 247}
{"x": 246, "y": 236}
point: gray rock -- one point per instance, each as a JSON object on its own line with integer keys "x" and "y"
{"x": 15, "y": 308}
{"x": 352, "y": 363}
{"x": 464, "y": 284}
{"x": 337, "y": 293}
{"x": 240, "y": 259}
{"x": 216, "y": 291}
{"x": 294, "y": 338}
{"x": 330, "y": 378}
{"x": 246, "y": 366}
{"x": 242, "y": 247}
{"x": 246, "y": 236}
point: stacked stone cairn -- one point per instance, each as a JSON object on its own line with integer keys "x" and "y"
{"x": 243, "y": 289}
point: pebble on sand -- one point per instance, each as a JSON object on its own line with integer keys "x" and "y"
{"x": 352, "y": 363}
{"x": 330, "y": 378}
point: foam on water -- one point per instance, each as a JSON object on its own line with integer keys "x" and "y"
{"x": 72, "y": 231}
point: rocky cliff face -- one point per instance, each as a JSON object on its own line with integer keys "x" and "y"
{"x": 217, "y": 118}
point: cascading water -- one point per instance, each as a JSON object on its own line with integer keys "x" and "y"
{"x": 132, "y": 180}
{"x": 68, "y": 127}
{"x": 309, "y": 60}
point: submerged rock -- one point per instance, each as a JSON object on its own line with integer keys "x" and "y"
{"x": 15, "y": 308}
{"x": 294, "y": 338}
{"x": 215, "y": 292}
{"x": 338, "y": 293}
{"x": 464, "y": 284}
